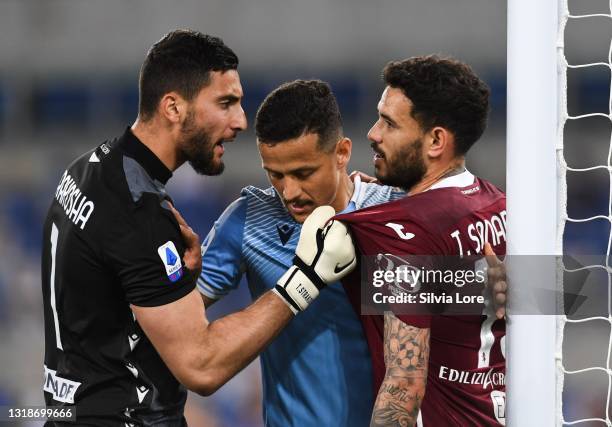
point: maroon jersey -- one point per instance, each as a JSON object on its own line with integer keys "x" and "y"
{"x": 466, "y": 375}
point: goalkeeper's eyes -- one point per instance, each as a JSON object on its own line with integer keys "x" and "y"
{"x": 275, "y": 175}
{"x": 299, "y": 175}
{"x": 303, "y": 175}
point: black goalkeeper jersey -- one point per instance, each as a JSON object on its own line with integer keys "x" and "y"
{"x": 109, "y": 241}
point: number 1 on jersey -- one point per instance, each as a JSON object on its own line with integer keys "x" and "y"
{"x": 54, "y": 236}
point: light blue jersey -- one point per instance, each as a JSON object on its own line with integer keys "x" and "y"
{"x": 317, "y": 372}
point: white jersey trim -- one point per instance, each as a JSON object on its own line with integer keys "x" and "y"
{"x": 357, "y": 191}
{"x": 464, "y": 179}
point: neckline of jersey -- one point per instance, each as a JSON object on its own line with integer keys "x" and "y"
{"x": 464, "y": 179}
{"x": 134, "y": 148}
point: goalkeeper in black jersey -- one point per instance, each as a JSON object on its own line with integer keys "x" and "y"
{"x": 125, "y": 330}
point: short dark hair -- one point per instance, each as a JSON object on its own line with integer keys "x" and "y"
{"x": 297, "y": 108}
{"x": 444, "y": 92}
{"x": 181, "y": 61}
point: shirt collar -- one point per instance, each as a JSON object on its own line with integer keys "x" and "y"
{"x": 135, "y": 149}
{"x": 463, "y": 179}
{"x": 352, "y": 204}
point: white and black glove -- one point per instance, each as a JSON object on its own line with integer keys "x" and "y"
{"x": 324, "y": 254}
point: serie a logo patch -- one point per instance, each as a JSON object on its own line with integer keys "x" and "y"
{"x": 171, "y": 259}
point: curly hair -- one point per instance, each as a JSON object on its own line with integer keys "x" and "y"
{"x": 444, "y": 92}
{"x": 181, "y": 61}
{"x": 297, "y": 108}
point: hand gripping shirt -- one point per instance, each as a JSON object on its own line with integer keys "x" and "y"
{"x": 318, "y": 370}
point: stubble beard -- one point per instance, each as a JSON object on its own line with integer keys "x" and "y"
{"x": 198, "y": 149}
{"x": 406, "y": 169}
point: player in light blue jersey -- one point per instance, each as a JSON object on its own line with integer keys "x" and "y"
{"x": 317, "y": 372}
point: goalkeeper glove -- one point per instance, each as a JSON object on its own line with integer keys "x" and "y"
{"x": 324, "y": 254}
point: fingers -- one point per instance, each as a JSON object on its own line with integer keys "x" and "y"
{"x": 179, "y": 218}
{"x": 364, "y": 177}
{"x": 353, "y": 174}
{"x": 193, "y": 254}
{"x": 190, "y": 237}
{"x": 492, "y": 259}
{"x": 496, "y": 275}
{"x": 319, "y": 217}
{"x": 187, "y": 232}
{"x": 338, "y": 237}
{"x": 500, "y": 288}
{"x": 499, "y": 292}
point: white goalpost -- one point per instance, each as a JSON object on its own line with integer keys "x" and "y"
{"x": 537, "y": 211}
{"x": 532, "y": 126}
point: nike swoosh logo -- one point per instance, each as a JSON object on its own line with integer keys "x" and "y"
{"x": 339, "y": 268}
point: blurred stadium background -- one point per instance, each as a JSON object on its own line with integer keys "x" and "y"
{"x": 68, "y": 80}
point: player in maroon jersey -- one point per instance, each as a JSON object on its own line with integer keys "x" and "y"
{"x": 430, "y": 114}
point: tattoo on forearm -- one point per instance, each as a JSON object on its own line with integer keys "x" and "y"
{"x": 397, "y": 393}
{"x": 406, "y": 358}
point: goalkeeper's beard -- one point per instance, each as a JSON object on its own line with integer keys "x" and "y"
{"x": 407, "y": 167}
{"x": 198, "y": 149}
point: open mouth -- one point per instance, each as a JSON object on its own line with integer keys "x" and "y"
{"x": 378, "y": 155}
{"x": 224, "y": 140}
{"x": 220, "y": 143}
{"x": 230, "y": 139}
{"x": 298, "y": 208}
{"x": 219, "y": 148}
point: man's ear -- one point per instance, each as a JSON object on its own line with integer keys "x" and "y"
{"x": 440, "y": 141}
{"x": 343, "y": 152}
{"x": 173, "y": 107}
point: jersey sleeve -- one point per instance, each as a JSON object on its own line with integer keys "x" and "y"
{"x": 146, "y": 254}
{"x": 222, "y": 260}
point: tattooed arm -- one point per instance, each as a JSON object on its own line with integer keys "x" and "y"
{"x": 406, "y": 358}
